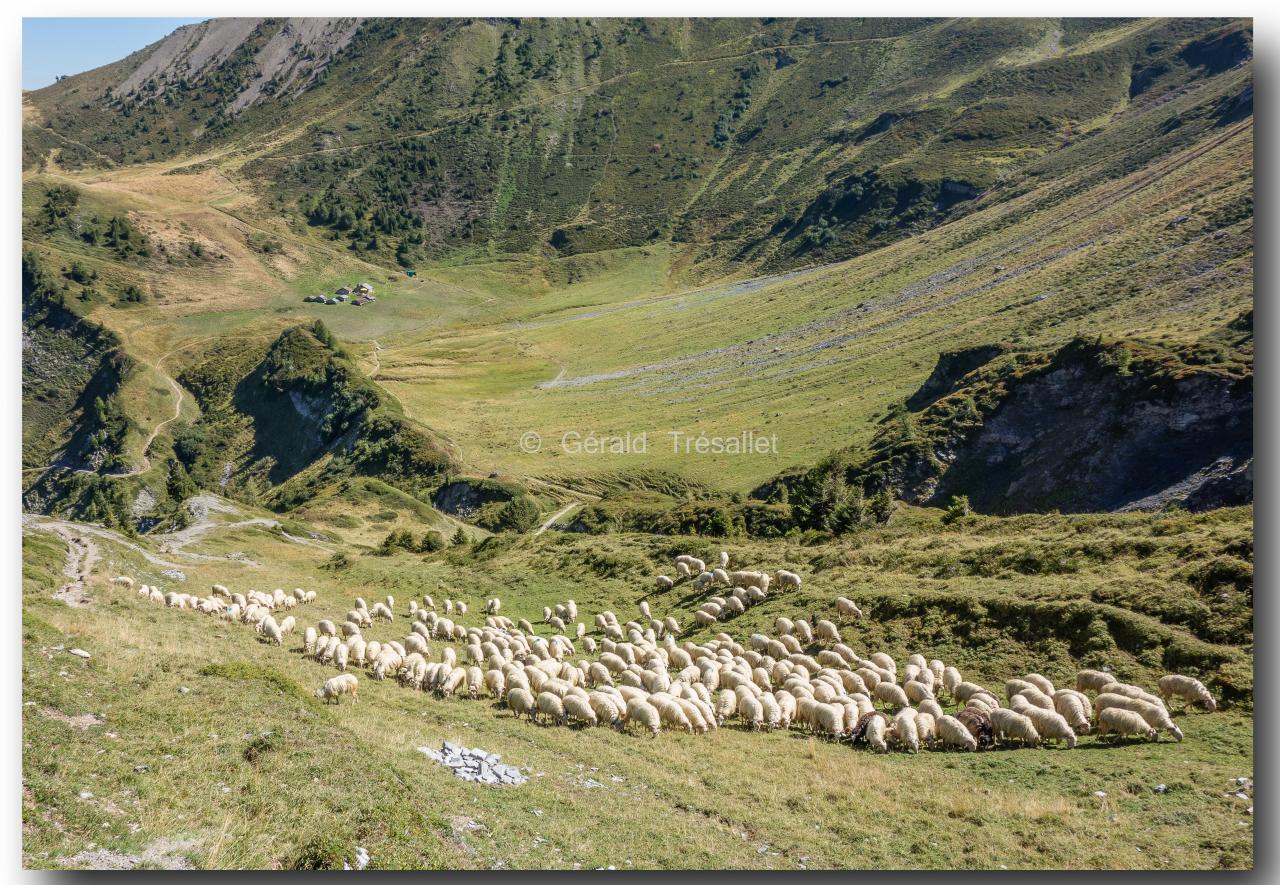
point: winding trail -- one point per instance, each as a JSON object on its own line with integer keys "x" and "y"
{"x": 82, "y": 554}
{"x": 65, "y": 530}
{"x": 551, "y": 520}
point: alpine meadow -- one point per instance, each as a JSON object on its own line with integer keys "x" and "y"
{"x": 711, "y": 443}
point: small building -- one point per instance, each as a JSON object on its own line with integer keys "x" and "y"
{"x": 364, "y": 289}
{"x": 342, "y": 297}
{"x": 331, "y": 301}
{"x": 344, "y": 291}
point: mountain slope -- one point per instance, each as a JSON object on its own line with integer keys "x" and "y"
{"x": 591, "y": 208}
{"x": 773, "y": 143}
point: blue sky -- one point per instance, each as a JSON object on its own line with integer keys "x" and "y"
{"x": 54, "y": 46}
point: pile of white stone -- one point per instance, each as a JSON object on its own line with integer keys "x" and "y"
{"x": 475, "y": 765}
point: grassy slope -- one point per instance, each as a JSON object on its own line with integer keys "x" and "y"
{"x": 818, "y": 358}
{"x": 681, "y": 801}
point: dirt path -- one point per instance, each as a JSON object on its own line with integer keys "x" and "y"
{"x": 62, "y": 528}
{"x": 201, "y": 506}
{"x": 82, "y": 554}
{"x": 551, "y": 520}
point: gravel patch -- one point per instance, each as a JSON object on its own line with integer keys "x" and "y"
{"x": 475, "y": 765}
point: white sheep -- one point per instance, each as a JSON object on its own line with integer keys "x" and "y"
{"x": 1040, "y": 682}
{"x": 644, "y": 714}
{"x": 892, "y": 694}
{"x": 848, "y": 607}
{"x": 1121, "y": 722}
{"x": 662, "y": 582}
{"x": 788, "y": 579}
{"x": 1092, "y": 680}
{"x": 551, "y": 707}
{"x": 521, "y": 702}
{"x": 1009, "y": 725}
{"x": 1070, "y": 706}
{"x": 904, "y": 729}
{"x": 876, "y": 733}
{"x": 1191, "y": 690}
{"x": 334, "y": 688}
{"x": 953, "y": 734}
{"x": 1155, "y": 715}
{"x": 1050, "y": 725}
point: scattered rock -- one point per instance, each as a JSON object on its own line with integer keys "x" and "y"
{"x": 1101, "y": 794}
{"x": 79, "y": 653}
{"x": 1161, "y": 788}
{"x": 475, "y": 765}
{"x": 182, "y": 689}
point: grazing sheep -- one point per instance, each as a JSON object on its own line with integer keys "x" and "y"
{"x": 1014, "y": 686}
{"x": 788, "y": 579}
{"x": 848, "y": 607}
{"x": 340, "y": 657}
{"x": 930, "y": 706}
{"x": 309, "y": 637}
{"x": 1040, "y": 682}
{"x": 521, "y": 702}
{"x": 551, "y": 707}
{"x": 891, "y": 694}
{"x": 1070, "y": 707}
{"x": 926, "y": 728}
{"x": 1008, "y": 726}
{"x": 1119, "y": 722}
{"x": 825, "y": 630}
{"x": 1036, "y": 697}
{"x": 950, "y": 679}
{"x": 1191, "y": 690}
{"x": 875, "y": 732}
{"x": 978, "y": 721}
{"x": 334, "y": 688}
{"x": 724, "y": 559}
{"x": 953, "y": 733}
{"x": 644, "y": 714}
{"x": 1131, "y": 691}
{"x": 751, "y": 711}
{"x": 904, "y": 729}
{"x": 917, "y": 691}
{"x": 1049, "y": 724}
{"x": 578, "y": 709}
{"x": 721, "y": 576}
{"x": 965, "y": 690}
{"x": 1155, "y": 715}
{"x": 884, "y": 662}
{"x": 271, "y": 631}
{"x": 126, "y": 581}
{"x": 1092, "y": 680}
{"x": 326, "y": 628}
{"x": 662, "y": 582}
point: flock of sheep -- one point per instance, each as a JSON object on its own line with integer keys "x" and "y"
{"x": 637, "y": 675}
